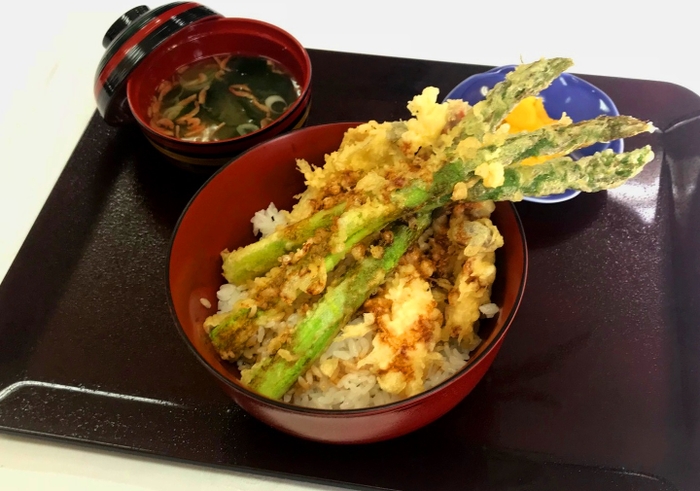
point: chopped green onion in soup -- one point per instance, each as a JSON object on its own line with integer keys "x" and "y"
{"x": 245, "y": 128}
{"x": 276, "y": 104}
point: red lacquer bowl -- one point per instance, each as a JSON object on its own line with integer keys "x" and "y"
{"x": 208, "y": 38}
{"x": 218, "y": 217}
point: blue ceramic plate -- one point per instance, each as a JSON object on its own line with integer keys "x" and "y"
{"x": 568, "y": 94}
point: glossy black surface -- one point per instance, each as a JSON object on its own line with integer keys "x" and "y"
{"x": 111, "y": 96}
{"x": 124, "y": 20}
{"x": 597, "y": 386}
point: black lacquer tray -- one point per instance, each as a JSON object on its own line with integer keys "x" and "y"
{"x": 597, "y": 386}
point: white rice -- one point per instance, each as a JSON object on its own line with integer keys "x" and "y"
{"x": 360, "y": 388}
{"x": 266, "y": 221}
{"x": 489, "y": 310}
{"x": 228, "y": 295}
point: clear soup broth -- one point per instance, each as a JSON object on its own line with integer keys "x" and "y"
{"x": 222, "y": 97}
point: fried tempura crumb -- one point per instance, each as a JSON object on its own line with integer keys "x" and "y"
{"x": 459, "y": 191}
{"x": 377, "y": 252}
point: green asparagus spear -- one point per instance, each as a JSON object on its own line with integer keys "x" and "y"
{"x": 603, "y": 170}
{"x": 230, "y": 332}
{"x": 274, "y": 376}
{"x": 257, "y": 258}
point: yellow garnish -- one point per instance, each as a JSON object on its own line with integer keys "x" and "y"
{"x": 530, "y": 115}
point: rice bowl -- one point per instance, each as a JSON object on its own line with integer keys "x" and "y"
{"x": 249, "y": 184}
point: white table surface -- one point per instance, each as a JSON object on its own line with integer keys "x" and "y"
{"x": 46, "y": 89}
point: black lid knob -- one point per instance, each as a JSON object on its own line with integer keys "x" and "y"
{"x": 122, "y": 22}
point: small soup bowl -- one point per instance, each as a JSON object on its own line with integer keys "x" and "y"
{"x": 218, "y": 217}
{"x": 196, "y": 34}
{"x": 569, "y": 94}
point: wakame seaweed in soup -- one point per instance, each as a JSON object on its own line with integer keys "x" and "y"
{"x": 222, "y": 97}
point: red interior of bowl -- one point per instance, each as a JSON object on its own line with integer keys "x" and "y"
{"x": 215, "y": 37}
